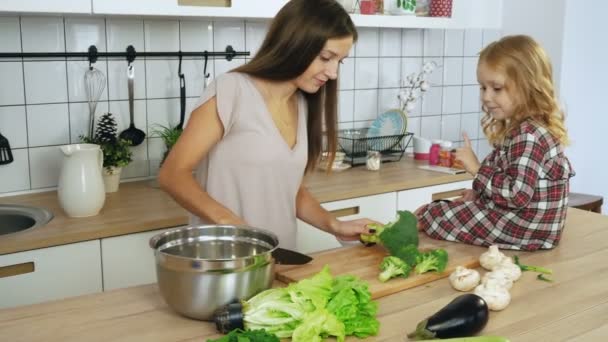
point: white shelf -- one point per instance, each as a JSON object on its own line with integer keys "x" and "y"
{"x": 466, "y": 14}
{"x": 484, "y": 14}
{"x": 403, "y": 21}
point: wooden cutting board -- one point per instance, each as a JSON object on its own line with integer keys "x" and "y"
{"x": 364, "y": 262}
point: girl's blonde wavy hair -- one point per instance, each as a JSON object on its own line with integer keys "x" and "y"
{"x": 529, "y": 79}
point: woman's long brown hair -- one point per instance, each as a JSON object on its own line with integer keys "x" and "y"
{"x": 295, "y": 38}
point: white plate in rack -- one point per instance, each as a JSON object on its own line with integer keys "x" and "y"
{"x": 392, "y": 122}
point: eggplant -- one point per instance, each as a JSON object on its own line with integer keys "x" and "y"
{"x": 464, "y": 316}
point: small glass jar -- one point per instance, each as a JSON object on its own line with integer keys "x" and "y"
{"x": 434, "y": 152}
{"x": 374, "y": 159}
{"x": 445, "y": 154}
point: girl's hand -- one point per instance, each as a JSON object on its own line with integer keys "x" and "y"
{"x": 350, "y": 230}
{"x": 467, "y": 157}
{"x": 467, "y": 195}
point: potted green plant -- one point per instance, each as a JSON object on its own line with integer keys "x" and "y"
{"x": 116, "y": 151}
{"x": 169, "y": 135}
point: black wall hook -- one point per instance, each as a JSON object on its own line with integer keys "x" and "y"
{"x": 92, "y": 56}
{"x": 179, "y": 67}
{"x": 205, "y": 73}
{"x": 131, "y": 54}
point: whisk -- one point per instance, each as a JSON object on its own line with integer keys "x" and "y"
{"x": 95, "y": 83}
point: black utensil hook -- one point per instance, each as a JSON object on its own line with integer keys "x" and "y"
{"x": 206, "y": 56}
{"x": 92, "y": 56}
{"x": 179, "y": 67}
{"x": 131, "y": 54}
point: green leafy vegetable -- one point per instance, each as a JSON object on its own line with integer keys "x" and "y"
{"x": 395, "y": 235}
{"x": 531, "y": 268}
{"x": 352, "y": 304}
{"x": 392, "y": 267}
{"x": 544, "y": 278}
{"x": 314, "y": 308}
{"x": 240, "y": 335}
{"x": 435, "y": 260}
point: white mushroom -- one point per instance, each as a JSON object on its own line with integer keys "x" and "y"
{"x": 464, "y": 279}
{"x": 498, "y": 278}
{"x": 495, "y": 296}
{"x": 490, "y": 258}
{"x": 509, "y": 268}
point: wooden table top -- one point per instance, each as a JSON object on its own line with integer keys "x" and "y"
{"x": 573, "y": 308}
{"x": 141, "y": 206}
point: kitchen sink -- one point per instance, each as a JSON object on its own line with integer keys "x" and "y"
{"x": 16, "y": 218}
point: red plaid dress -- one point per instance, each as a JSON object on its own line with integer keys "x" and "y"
{"x": 522, "y": 189}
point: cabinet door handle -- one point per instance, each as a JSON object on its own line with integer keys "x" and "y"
{"x": 14, "y": 270}
{"x": 345, "y": 212}
{"x": 205, "y": 3}
{"x": 447, "y": 194}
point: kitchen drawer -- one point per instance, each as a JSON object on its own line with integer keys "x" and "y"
{"x": 128, "y": 260}
{"x": 414, "y": 198}
{"x": 50, "y": 273}
{"x": 381, "y": 208}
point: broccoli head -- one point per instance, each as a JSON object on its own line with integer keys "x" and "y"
{"x": 394, "y": 235}
{"x": 435, "y": 260}
{"x": 392, "y": 267}
{"x": 409, "y": 254}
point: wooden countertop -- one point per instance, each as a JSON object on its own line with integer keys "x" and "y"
{"x": 572, "y": 308}
{"x": 141, "y": 206}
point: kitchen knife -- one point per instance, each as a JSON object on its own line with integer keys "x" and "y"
{"x": 284, "y": 256}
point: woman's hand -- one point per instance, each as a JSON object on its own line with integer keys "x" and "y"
{"x": 467, "y": 195}
{"x": 467, "y": 157}
{"x": 350, "y": 230}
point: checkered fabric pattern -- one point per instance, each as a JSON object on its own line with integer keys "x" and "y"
{"x": 522, "y": 189}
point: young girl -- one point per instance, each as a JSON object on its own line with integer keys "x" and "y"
{"x": 520, "y": 191}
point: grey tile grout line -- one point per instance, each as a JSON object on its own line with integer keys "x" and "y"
{"x": 67, "y": 82}
{"x": 27, "y": 133}
{"x": 105, "y": 30}
{"x": 143, "y": 22}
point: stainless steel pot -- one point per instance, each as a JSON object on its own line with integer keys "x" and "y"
{"x": 200, "y": 268}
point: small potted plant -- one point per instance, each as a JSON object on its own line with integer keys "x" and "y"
{"x": 169, "y": 135}
{"x": 116, "y": 151}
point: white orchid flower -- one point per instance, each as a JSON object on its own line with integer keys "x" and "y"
{"x": 410, "y": 106}
{"x": 424, "y": 86}
{"x": 428, "y": 67}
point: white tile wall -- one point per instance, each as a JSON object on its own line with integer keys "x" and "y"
{"x": 43, "y": 102}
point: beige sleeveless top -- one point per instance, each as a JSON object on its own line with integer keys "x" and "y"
{"x": 251, "y": 170}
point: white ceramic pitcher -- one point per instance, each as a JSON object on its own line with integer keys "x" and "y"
{"x": 81, "y": 190}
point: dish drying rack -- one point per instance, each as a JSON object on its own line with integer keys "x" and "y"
{"x": 355, "y": 143}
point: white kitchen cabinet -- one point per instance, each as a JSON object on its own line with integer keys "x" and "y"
{"x": 412, "y": 199}
{"x": 46, "y": 6}
{"x": 238, "y": 9}
{"x": 50, "y": 273}
{"x": 380, "y": 207}
{"x": 128, "y": 260}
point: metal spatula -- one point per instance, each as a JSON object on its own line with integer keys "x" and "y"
{"x": 6, "y": 155}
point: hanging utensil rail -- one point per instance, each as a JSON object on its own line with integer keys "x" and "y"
{"x": 130, "y": 53}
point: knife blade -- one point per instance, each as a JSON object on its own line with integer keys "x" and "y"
{"x": 284, "y": 256}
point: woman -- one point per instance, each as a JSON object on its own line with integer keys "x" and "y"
{"x": 258, "y": 128}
